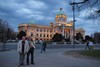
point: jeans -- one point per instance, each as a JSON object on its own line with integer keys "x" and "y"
{"x": 31, "y": 51}
{"x": 21, "y": 58}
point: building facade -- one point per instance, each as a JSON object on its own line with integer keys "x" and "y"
{"x": 47, "y": 32}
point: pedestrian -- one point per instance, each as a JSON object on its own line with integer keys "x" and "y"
{"x": 87, "y": 45}
{"x": 41, "y": 43}
{"x": 91, "y": 45}
{"x": 22, "y": 48}
{"x": 43, "y": 47}
{"x": 31, "y": 51}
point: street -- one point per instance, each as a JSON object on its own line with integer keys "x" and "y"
{"x": 53, "y": 57}
{"x": 13, "y": 46}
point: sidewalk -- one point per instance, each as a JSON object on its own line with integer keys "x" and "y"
{"x": 52, "y": 58}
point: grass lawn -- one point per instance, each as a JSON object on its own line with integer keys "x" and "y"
{"x": 94, "y": 53}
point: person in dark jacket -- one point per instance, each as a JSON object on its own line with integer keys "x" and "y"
{"x": 31, "y": 51}
{"x": 87, "y": 45}
{"x": 43, "y": 47}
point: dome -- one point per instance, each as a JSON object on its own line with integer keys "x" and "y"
{"x": 60, "y": 16}
{"x": 61, "y": 12}
{"x": 32, "y": 22}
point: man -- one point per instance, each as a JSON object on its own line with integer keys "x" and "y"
{"x": 43, "y": 47}
{"x": 87, "y": 45}
{"x": 31, "y": 51}
{"x": 22, "y": 48}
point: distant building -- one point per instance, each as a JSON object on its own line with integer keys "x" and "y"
{"x": 46, "y": 32}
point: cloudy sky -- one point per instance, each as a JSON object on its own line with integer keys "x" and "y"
{"x": 44, "y": 11}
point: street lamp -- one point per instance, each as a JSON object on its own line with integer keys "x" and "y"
{"x": 73, "y": 9}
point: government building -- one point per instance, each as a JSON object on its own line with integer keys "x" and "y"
{"x": 47, "y": 32}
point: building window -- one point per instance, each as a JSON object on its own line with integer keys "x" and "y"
{"x": 40, "y": 35}
{"x": 47, "y": 39}
{"x": 31, "y": 34}
{"x": 40, "y": 30}
{"x": 44, "y": 35}
{"x": 47, "y": 35}
{"x": 44, "y": 30}
{"x": 37, "y": 35}
{"x": 50, "y": 35}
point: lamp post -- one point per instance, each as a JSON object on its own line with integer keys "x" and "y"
{"x": 73, "y": 9}
{"x": 73, "y": 39}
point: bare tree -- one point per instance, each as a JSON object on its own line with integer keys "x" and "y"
{"x": 93, "y": 7}
{"x": 6, "y": 31}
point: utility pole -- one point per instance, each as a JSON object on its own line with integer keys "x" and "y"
{"x": 73, "y": 9}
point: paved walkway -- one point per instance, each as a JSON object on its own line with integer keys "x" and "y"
{"x": 52, "y": 58}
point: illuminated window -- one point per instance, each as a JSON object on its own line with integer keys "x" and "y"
{"x": 44, "y": 35}
{"x": 50, "y": 35}
{"x": 61, "y": 19}
{"x": 40, "y": 35}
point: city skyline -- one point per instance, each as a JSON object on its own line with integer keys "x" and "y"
{"x": 44, "y": 11}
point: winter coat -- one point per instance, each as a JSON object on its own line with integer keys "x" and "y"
{"x": 26, "y": 46}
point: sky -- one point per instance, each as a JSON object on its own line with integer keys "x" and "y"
{"x": 43, "y": 12}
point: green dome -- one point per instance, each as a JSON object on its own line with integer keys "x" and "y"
{"x": 61, "y": 12}
{"x": 32, "y": 22}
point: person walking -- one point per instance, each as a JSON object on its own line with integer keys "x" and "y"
{"x": 43, "y": 47}
{"x": 22, "y": 49}
{"x": 41, "y": 44}
{"x": 87, "y": 45}
{"x": 31, "y": 51}
{"x": 91, "y": 45}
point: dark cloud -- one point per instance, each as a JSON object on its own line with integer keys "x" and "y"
{"x": 44, "y": 11}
